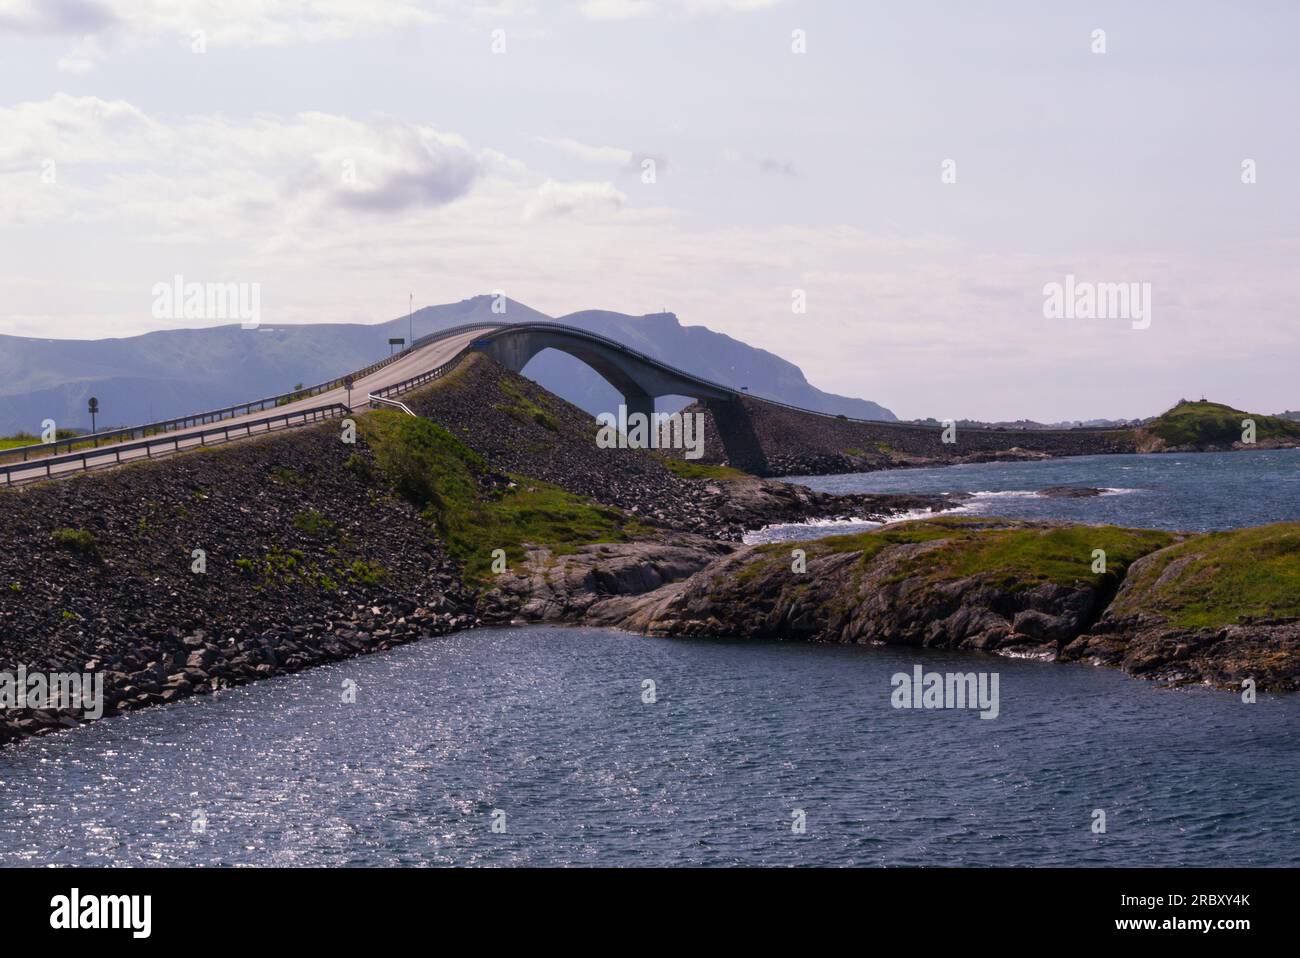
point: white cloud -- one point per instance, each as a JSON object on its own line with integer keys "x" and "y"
{"x": 338, "y": 218}
{"x": 554, "y": 199}
{"x": 611, "y": 155}
{"x": 106, "y": 24}
{"x": 618, "y": 9}
{"x": 110, "y": 157}
{"x": 636, "y": 9}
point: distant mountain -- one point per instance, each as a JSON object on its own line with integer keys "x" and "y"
{"x": 170, "y": 373}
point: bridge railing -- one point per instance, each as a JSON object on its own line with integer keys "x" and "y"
{"x": 13, "y": 473}
{"x": 623, "y": 347}
{"x": 406, "y": 385}
{"x": 44, "y": 449}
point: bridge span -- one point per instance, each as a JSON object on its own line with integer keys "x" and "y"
{"x": 638, "y": 377}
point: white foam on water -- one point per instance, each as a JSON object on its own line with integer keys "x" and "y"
{"x": 782, "y": 531}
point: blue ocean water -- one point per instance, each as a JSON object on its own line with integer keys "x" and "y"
{"x": 547, "y": 732}
{"x": 1192, "y": 492}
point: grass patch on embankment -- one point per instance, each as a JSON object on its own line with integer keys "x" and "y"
{"x": 1214, "y": 424}
{"x": 1221, "y": 579}
{"x": 686, "y": 469}
{"x": 15, "y": 441}
{"x": 523, "y": 409}
{"x": 20, "y": 439}
{"x": 472, "y": 510}
{"x": 1008, "y": 555}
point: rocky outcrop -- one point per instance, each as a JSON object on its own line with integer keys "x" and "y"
{"x": 861, "y": 595}
{"x": 597, "y": 584}
{"x": 993, "y": 586}
{"x": 1221, "y": 607}
{"x": 1264, "y": 650}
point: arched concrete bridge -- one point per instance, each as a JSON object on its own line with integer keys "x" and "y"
{"x": 640, "y": 378}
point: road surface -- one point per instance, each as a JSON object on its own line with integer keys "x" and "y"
{"x": 420, "y": 360}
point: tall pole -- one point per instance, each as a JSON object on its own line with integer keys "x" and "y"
{"x": 410, "y": 321}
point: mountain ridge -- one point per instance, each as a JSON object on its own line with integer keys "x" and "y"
{"x": 180, "y": 371}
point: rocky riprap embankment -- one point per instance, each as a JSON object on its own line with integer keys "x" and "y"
{"x": 307, "y": 561}
{"x": 796, "y": 443}
{"x": 518, "y": 427}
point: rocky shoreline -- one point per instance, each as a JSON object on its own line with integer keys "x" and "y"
{"x": 913, "y": 584}
{"x": 308, "y": 557}
{"x": 214, "y": 568}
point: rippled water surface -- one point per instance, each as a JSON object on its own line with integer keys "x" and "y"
{"x": 1193, "y": 492}
{"x": 549, "y": 726}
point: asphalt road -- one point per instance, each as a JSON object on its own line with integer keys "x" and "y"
{"x": 419, "y": 361}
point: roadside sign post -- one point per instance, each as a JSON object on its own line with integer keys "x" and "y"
{"x": 93, "y": 406}
{"x": 347, "y": 384}
{"x": 398, "y": 341}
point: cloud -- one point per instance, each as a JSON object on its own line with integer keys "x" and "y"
{"x": 107, "y": 160}
{"x": 612, "y": 155}
{"x": 395, "y": 167}
{"x": 618, "y": 9}
{"x": 637, "y": 9}
{"x": 625, "y": 161}
{"x": 331, "y": 214}
{"x": 553, "y": 200}
{"x": 779, "y": 167}
{"x": 764, "y": 164}
{"x": 268, "y": 23}
{"x": 56, "y": 16}
{"x": 77, "y": 130}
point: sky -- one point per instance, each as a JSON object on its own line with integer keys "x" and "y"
{"x": 913, "y": 174}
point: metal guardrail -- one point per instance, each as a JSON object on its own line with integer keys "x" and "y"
{"x": 42, "y": 449}
{"x": 112, "y": 455}
{"x": 406, "y": 385}
{"x": 393, "y": 403}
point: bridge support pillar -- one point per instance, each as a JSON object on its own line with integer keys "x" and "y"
{"x": 639, "y": 402}
{"x": 739, "y": 440}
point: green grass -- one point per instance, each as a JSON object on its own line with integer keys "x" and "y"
{"x": 288, "y": 477}
{"x": 79, "y": 541}
{"x": 523, "y": 409}
{"x": 1228, "y": 576}
{"x": 687, "y": 469}
{"x": 312, "y": 523}
{"x": 361, "y": 572}
{"x": 453, "y": 488}
{"x": 298, "y": 393}
{"x": 1210, "y": 423}
{"x": 18, "y": 439}
{"x": 1014, "y": 558}
{"x": 27, "y": 439}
